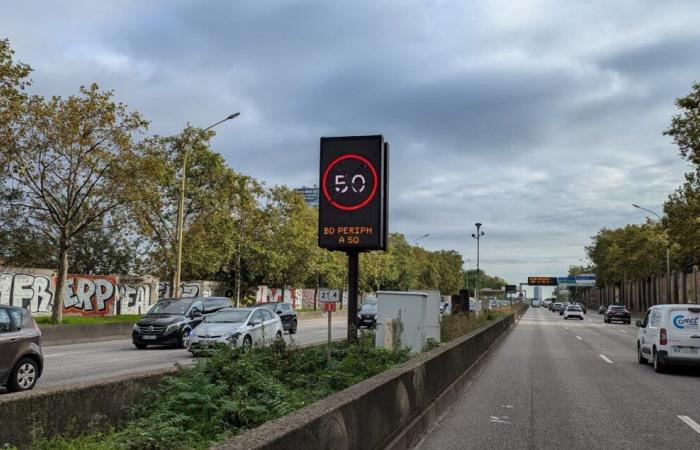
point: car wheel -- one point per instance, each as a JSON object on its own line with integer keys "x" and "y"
{"x": 24, "y": 375}
{"x": 247, "y": 342}
{"x": 640, "y": 357}
{"x": 279, "y": 336}
{"x": 140, "y": 346}
{"x": 182, "y": 341}
{"x": 196, "y": 354}
{"x": 293, "y": 328}
{"x": 658, "y": 365}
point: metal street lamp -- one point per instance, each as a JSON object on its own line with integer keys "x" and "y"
{"x": 668, "y": 255}
{"x": 181, "y": 208}
{"x": 477, "y": 236}
{"x": 424, "y": 236}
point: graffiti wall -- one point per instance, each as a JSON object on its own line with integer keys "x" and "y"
{"x": 307, "y": 298}
{"x": 90, "y": 295}
{"x": 291, "y": 295}
{"x": 193, "y": 289}
{"x": 27, "y": 288}
{"x": 136, "y": 294}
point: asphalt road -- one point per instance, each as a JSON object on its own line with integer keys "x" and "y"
{"x": 78, "y": 363}
{"x": 555, "y": 384}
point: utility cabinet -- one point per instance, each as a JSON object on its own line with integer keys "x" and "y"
{"x": 418, "y": 312}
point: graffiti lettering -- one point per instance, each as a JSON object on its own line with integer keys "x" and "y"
{"x": 34, "y": 292}
{"x": 89, "y": 295}
{"x": 134, "y": 299}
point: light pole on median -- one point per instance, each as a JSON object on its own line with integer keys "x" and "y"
{"x": 477, "y": 236}
{"x": 181, "y": 208}
{"x": 668, "y": 255}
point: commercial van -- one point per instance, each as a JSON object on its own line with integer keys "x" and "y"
{"x": 669, "y": 335}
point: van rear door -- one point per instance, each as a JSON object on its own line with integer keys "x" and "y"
{"x": 683, "y": 324}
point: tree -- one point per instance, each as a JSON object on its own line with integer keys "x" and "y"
{"x": 682, "y": 220}
{"x": 685, "y": 127}
{"x": 217, "y": 203}
{"x": 13, "y": 81}
{"x": 64, "y": 166}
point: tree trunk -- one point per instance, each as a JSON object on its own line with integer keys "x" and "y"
{"x": 57, "y": 313}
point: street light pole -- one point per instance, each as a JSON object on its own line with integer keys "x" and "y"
{"x": 477, "y": 236}
{"x": 668, "y": 255}
{"x": 175, "y": 289}
{"x": 416, "y": 240}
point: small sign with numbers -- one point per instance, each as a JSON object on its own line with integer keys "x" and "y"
{"x": 329, "y": 295}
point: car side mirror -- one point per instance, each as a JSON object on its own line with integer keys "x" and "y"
{"x": 196, "y": 313}
{"x": 639, "y": 324}
{"x": 253, "y": 323}
{"x": 279, "y": 312}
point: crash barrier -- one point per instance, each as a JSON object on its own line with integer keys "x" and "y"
{"x": 71, "y": 410}
{"x": 390, "y": 410}
{"x": 80, "y": 334}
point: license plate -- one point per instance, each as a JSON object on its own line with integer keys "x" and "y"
{"x": 149, "y": 338}
{"x": 685, "y": 350}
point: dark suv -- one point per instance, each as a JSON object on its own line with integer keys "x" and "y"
{"x": 170, "y": 320}
{"x": 286, "y": 313}
{"x": 21, "y": 361}
{"x": 617, "y": 312}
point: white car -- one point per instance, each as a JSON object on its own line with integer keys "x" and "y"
{"x": 573, "y": 311}
{"x": 669, "y": 335}
{"x": 535, "y": 303}
{"x": 239, "y": 327}
{"x": 493, "y": 304}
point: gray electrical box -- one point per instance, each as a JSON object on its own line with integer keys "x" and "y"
{"x": 418, "y": 312}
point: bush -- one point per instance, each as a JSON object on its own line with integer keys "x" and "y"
{"x": 235, "y": 390}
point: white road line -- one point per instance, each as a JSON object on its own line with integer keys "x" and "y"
{"x": 691, "y": 423}
{"x": 579, "y": 338}
{"x": 56, "y": 354}
{"x": 622, "y": 331}
{"x": 606, "y": 359}
{"x": 566, "y": 328}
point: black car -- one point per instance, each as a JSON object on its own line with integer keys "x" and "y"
{"x": 617, "y": 312}
{"x": 170, "y": 320}
{"x": 582, "y": 306}
{"x": 367, "y": 317}
{"x": 286, "y": 313}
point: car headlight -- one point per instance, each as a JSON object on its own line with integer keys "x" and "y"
{"x": 135, "y": 327}
{"x": 172, "y": 327}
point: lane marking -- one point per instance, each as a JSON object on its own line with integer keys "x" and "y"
{"x": 501, "y": 419}
{"x": 691, "y": 423}
{"x": 622, "y": 331}
{"x": 579, "y": 338}
{"x": 56, "y": 354}
{"x": 566, "y": 328}
{"x": 606, "y": 359}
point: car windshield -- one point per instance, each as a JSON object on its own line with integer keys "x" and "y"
{"x": 178, "y": 307}
{"x": 573, "y": 308}
{"x": 369, "y": 307}
{"x": 618, "y": 307}
{"x": 234, "y": 316}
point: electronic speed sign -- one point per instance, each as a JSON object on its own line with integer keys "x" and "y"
{"x": 542, "y": 281}
{"x": 352, "y": 211}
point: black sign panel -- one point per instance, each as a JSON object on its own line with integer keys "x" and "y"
{"x": 542, "y": 281}
{"x": 511, "y": 288}
{"x": 352, "y": 213}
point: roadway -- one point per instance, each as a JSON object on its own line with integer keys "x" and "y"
{"x": 553, "y": 384}
{"x": 77, "y": 363}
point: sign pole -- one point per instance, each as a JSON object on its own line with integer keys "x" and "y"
{"x": 353, "y": 281}
{"x": 329, "y": 337}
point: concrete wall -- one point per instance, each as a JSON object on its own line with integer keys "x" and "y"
{"x": 390, "y": 410}
{"x": 78, "y": 334}
{"x": 71, "y": 410}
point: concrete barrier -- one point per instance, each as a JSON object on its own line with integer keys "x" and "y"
{"x": 73, "y": 410}
{"x": 389, "y": 410}
{"x": 77, "y": 334}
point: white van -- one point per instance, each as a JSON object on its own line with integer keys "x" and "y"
{"x": 535, "y": 303}
{"x": 669, "y": 335}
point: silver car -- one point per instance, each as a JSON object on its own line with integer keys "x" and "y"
{"x": 239, "y": 327}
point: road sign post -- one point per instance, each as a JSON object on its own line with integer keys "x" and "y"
{"x": 352, "y": 213}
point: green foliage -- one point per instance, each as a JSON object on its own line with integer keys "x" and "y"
{"x": 682, "y": 220}
{"x": 80, "y": 320}
{"x": 685, "y": 127}
{"x": 235, "y": 390}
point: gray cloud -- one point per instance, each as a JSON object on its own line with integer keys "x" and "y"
{"x": 541, "y": 119}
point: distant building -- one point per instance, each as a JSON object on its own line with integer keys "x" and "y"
{"x": 310, "y": 195}
{"x": 538, "y": 292}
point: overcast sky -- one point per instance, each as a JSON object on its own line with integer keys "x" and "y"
{"x": 541, "y": 119}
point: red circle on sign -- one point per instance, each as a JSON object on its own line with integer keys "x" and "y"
{"x": 374, "y": 183}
